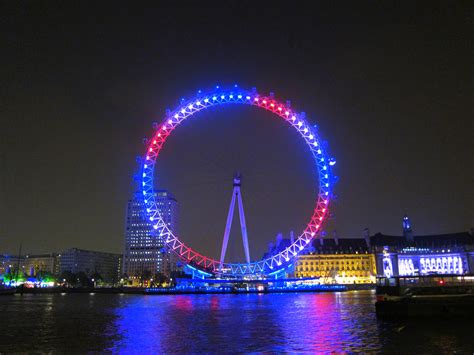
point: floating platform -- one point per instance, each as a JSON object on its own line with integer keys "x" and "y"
{"x": 237, "y": 290}
{"x": 446, "y": 296}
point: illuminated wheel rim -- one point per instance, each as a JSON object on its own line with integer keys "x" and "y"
{"x": 296, "y": 120}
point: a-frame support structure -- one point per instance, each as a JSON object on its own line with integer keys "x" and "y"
{"x": 235, "y": 195}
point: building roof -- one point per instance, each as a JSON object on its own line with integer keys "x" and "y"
{"x": 429, "y": 241}
{"x": 339, "y": 245}
{"x": 85, "y": 251}
{"x": 158, "y": 192}
{"x": 328, "y": 246}
{"x": 352, "y": 245}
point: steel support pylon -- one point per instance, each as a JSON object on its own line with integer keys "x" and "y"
{"x": 235, "y": 195}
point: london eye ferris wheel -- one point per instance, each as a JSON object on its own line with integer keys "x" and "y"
{"x": 296, "y": 120}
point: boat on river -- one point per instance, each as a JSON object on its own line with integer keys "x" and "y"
{"x": 425, "y": 296}
{"x": 240, "y": 288}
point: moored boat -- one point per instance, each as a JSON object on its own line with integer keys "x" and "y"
{"x": 425, "y": 296}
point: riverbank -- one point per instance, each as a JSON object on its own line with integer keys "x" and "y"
{"x": 243, "y": 290}
{"x": 103, "y": 290}
{"x": 171, "y": 291}
{"x": 174, "y": 291}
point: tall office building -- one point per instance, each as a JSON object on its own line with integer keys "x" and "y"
{"x": 146, "y": 255}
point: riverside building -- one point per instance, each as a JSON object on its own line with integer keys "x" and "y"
{"x": 412, "y": 255}
{"x": 331, "y": 260}
{"x": 107, "y": 265}
{"x": 30, "y": 264}
{"x": 146, "y": 255}
{"x": 360, "y": 260}
{"x": 338, "y": 260}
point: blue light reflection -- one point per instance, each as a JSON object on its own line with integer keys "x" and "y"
{"x": 322, "y": 322}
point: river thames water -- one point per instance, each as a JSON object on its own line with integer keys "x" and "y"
{"x": 301, "y": 322}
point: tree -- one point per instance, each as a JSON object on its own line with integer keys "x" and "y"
{"x": 97, "y": 278}
{"x": 159, "y": 279}
{"x": 7, "y": 278}
{"x": 83, "y": 280}
{"x": 145, "y": 276}
{"x": 45, "y": 276}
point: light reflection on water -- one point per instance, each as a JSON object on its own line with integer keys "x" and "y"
{"x": 217, "y": 323}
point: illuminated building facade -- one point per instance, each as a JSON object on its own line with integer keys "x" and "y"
{"x": 360, "y": 260}
{"x": 426, "y": 255}
{"x": 413, "y": 261}
{"x": 146, "y": 255}
{"x": 341, "y": 261}
{"x": 33, "y": 264}
{"x": 410, "y": 255}
{"x": 30, "y": 264}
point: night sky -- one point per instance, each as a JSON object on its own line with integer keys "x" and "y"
{"x": 389, "y": 86}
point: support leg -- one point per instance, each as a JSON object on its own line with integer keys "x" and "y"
{"x": 243, "y": 226}
{"x": 227, "y": 227}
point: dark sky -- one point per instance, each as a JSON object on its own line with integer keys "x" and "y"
{"x": 388, "y": 84}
